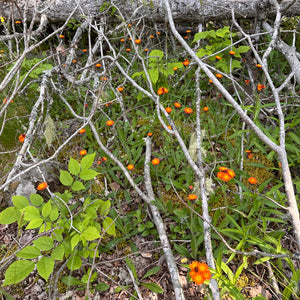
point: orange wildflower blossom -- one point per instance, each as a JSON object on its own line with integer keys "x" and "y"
{"x": 74, "y": 61}
{"x": 146, "y": 50}
{"x": 169, "y": 127}
{"x": 260, "y": 87}
{"x": 120, "y": 89}
{"x": 199, "y": 272}
{"x": 188, "y": 110}
{"x": 83, "y": 152}
{"x": 122, "y": 40}
{"x": 155, "y": 161}
{"x": 219, "y": 75}
{"x": 103, "y": 159}
{"x": 218, "y": 57}
{"x": 84, "y": 50}
{"x": 177, "y": 104}
{"x": 61, "y": 36}
{"x": 210, "y": 81}
{"x": 168, "y": 110}
{"x": 82, "y": 130}
{"x": 252, "y": 180}
{"x": 225, "y": 174}
{"x": 188, "y": 31}
{"x": 22, "y": 137}
{"x": 128, "y": 50}
{"x": 110, "y": 123}
{"x": 232, "y": 52}
{"x": 151, "y": 36}
{"x": 130, "y": 167}
{"x": 191, "y": 187}
{"x": 249, "y": 154}
{"x": 247, "y": 81}
{"x": 186, "y": 62}
{"x": 98, "y": 65}
{"x": 175, "y": 68}
{"x": 205, "y": 108}
{"x": 162, "y": 90}
{"x": 158, "y": 33}
{"x": 186, "y": 38}
{"x": 192, "y": 197}
{"x": 42, "y": 186}
{"x": 258, "y": 65}
{"x": 150, "y": 134}
{"x": 129, "y": 25}
{"x": 138, "y": 41}
{"x": 5, "y": 101}
{"x": 18, "y": 22}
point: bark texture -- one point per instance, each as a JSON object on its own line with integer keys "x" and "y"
{"x": 183, "y": 11}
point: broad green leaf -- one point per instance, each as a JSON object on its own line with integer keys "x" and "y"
{"x": 228, "y": 272}
{"x": 65, "y": 178}
{"x": 44, "y": 243}
{"x": 202, "y": 52}
{"x": 9, "y": 215}
{"x": 47, "y": 209}
{"x": 87, "y": 161}
{"x": 20, "y": 201}
{"x": 131, "y": 266}
{"x": 18, "y": 271}
{"x": 200, "y": 35}
{"x": 70, "y": 280}
{"x": 242, "y": 49}
{"x": 152, "y": 272}
{"x": 109, "y": 226}
{"x": 154, "y": 287}
{"x": 88, "y": 174}
{"x": 34, "y": 223}
{"x": 36, "y": 199}
{"x": 29, "y": 252}
{"x": 75, "y": 240}
{"x": 101, "y": 287}
{"x": 74, "y": 262}
{"x": 154, "y": 74}
{"x": 104, "y": 207}
{"x": 73, "y": 166}
{"x": 155, "y": 55}
{"x": 77, "y": 186}
{"x": 58, "y": 252}
{"x": 54, "y": 214}
{"x": 222, "y": 31}
{"x": 30, "y": 213}
{"x": 45, "y": 267}
{"x": 91, "y": 233}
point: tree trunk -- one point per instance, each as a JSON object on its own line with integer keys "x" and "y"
{"x": 183, "y": 11}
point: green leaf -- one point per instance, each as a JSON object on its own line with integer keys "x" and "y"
{"x": 154, "y": 287}
{"x": 47, "y": 209}
{"x": 155, "y": 55}
{"x": 65, "y": 178}
{"x": 154, "y": 75}
{"x": 222, "y": 31}
{"x": 74, "y": 262}
{"x": 131, "y": 266}
{"x": 88, "y": 174}
{"x": 30, "y": 213}
{"x": 18, "y": 271}
{"x": 20, "y": 201}
{"x": 34, "y": 223}
{"x": 109, "y": 226}
{"x": 101, "y": 287}
{"x": 294, "y": 137}
{"x": 87, "y": 161}
{"x": 152, "y": 272}
{"x": 29, "y": 252}
{"x": 73, "y": 166}
{"x": 58, "y": 252}
{"x": 54, "y": 214}
{"x": 75, "y": 240}
{"x": 242, "y": 49}
{"x": 44, "y": 243}
{"x": 200, "y": 35}
{"x": 70, "y": 280}
{"x": 105, "y": 206}
{"x": 9, "y": 215}
{"x": 202, "y": 52}
{"x": 45, "y": 267}
{"x": 36, "y": 199}
{"x": 182, "y": 250}
{"x": 77, "y": 186}
{"x": 91, "y": 233}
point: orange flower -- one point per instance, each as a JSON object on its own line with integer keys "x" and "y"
{"x": 260, "y": 87}
{"x": 138, "y": 41}
{"x": 188, "y": 110}
{"x": 61, "y": 36}
{"x": 170, "y": 127}
{"x": 110, "y": 123}
{"x": 146, "y": 50}
{"x": 151, "y": 36}
{"x": 5, "y": 101}
{"x": 162, "y": 91}
{"x": 247, "y": 81}
{"x": 199, "y": 272}
{"x": 218, "y": 57}
{"x": 122, "y": 40}
{"x": 84, "y": 50}
{"x": 98, "y": 65}
{"x": 249, "y": 154}
{"x": 252, "y": 180}
{"x": 155, "y": 161}
{"x": 158, "y": 33}
{"x": 205, "y": 108}
{"x": 120, "y": 89}
{"x": 175, "y": 68}
{"x": 22, "y": 138}
{"x": 150, "y": 134}
{"x": 82, "y": 130}
{"x": 168, "y": 109}
{"x": 188, "y": 31}
{"x": 42, "y": 186}
{"x": 258, "y": 65}
{"x": 219, "y": 75}
{"x": 191, "y": 187}
{"x": 186, "y": 38}
{"x": 83, "y": 152}
{"x": 192, "y": 197}
{"x": 18, "y": 22}
{"x": 279, "y": 164}
{"x": 129, "y": 25}
{"x": 130, "y": 167}
{"x": 128, "y": 50}
{"x": 225, "y": 174}
{"x": 177, "y": 104}
{"x": 231, "y": 52}
{"x": 74, "y": 61}
{"x": 186, "y": 62}
{"x": 210, "y": 81}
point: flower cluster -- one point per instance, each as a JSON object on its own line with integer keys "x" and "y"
{"x": 225, "y": 174}
{"x": 199, "y": 272}
{"x": 162, "y": 90}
